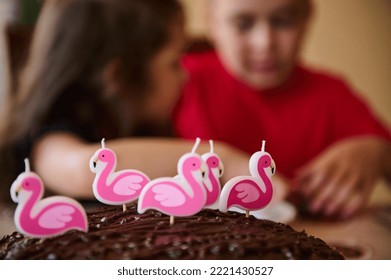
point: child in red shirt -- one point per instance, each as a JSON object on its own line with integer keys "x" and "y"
{"x": 321, "y": 135}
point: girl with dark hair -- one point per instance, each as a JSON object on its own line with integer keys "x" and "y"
{"x": 98, "y": 69}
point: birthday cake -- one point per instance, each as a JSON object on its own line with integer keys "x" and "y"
{"x": 210, "y": 234}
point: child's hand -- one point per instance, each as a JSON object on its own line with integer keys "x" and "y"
{"x": 340, "y": 180}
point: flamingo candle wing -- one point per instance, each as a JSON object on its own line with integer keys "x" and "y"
{"x": 39, "y": 217}
{"x": 250, "y": 192}
{"x": 114, "y": 188}
{"x": 212, "y": 180}
{"x": 182, "y": 195}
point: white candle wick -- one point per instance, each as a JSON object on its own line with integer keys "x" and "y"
{"x": 27, "y": 165}
{"x": 263, "y": 145}
{"x": 198, "y": 140}
{"x": 103, "y": 143}
{"x": 211, "y": 146}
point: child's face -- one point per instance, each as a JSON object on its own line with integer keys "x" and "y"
{"x": 258, "y": 40}
{"x": 166, "y": 77}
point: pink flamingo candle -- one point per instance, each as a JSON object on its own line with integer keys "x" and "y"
{"x": 115, "y": 188}
{"x": 212, "y": 180}
{"x": 250, "y": 192}
{"x": 38, "y": 217}
{"x": 182, "y": 195}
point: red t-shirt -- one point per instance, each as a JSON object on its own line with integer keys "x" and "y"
{"x": 298, "y": 120}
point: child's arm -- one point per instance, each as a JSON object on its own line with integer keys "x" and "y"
{"x": 62, "y": 159}
{"x": 341, "y": 179}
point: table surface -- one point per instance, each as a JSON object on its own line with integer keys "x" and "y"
{"x": 366, "y": 236}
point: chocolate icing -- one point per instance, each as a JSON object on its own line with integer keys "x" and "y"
{"x": 208, "y": 235}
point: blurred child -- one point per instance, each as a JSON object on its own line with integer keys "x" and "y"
{"x": 97, "y": 69}
{"x": 323, "y": 137}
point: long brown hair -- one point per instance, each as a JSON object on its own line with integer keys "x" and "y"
{"x": 72, "y": 43}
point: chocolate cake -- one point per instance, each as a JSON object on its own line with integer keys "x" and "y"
{"x": 210, "y": 234}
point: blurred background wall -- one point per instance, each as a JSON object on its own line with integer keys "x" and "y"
{"x": 349, "y": 37}
{"x": 15, "y": 18}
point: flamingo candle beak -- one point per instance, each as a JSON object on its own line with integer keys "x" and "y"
{"x": 15, "y": 189}
{"x": 221, "y": 169}
{"x": 203, "y": 169}
{"x": 18, "y": 188}
{"x": 95, "y": 162}
{"x": 273, "y": 167}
